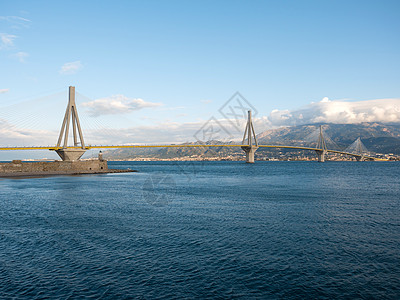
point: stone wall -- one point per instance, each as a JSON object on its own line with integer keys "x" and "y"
{"x": 55, "y": 166}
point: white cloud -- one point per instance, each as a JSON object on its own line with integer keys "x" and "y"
{"x": 3, "y": 91}
{"x": 206, "y": 101}
{"x": 339, "y": 111}
{"x": 332, "y": 111}
{"x": 10, "y": 135}
{"x": 164, "y": 133}
{"x": 160, "y": 133}
{"x": 21, "y": 56}
{"x": 71, "y": 67}
{"x": 15, "y": 21}
{"x": 326, "y": 111}
{"x": 6, "y": 40}
{"x": 117, "y": 104}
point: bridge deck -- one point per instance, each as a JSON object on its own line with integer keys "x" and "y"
{"x": 88, "y": 147}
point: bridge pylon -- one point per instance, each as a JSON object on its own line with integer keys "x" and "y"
{"x": 359, "y": 149}
{"x": 71, "y": 115}
{"x": 321, "y": 146}
{"x": 250, "y": 146}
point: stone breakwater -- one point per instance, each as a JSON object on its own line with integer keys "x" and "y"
{"x": 17, "y": 168}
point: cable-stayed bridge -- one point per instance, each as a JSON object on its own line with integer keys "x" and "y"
{"x": 74, "y": 151}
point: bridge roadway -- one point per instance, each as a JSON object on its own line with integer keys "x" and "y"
{"x": 88, "y": 147}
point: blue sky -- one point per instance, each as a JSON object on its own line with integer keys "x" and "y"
{"x": 192, "y": 56}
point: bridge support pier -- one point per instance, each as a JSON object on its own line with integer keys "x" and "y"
{"x": 321, "y": 155}
{"x": 250, "y": 150}
{"x": 360, "y": 158}
{"x": 70, "y": 154}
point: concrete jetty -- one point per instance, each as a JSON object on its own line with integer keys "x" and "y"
{"x": 17, "y": 168}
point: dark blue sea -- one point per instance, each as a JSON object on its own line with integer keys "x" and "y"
{"x": 272, "y": 230}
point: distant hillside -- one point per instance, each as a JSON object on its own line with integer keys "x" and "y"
{"x": 341, "y": 134}
{"x": 377, "y": 137}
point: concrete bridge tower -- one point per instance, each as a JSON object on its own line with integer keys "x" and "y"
{"x": 321, "y": 146}
{"x": 249, "y": 134}
{"x": 359, "y": 149}
{"x": 71, "y": 114}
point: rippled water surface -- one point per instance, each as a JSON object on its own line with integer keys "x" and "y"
{"x": 204, "y": 230}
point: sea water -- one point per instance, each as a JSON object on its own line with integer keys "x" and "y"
{"x": 287, "y": 230}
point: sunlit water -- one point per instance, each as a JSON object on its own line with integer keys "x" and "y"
{"x": 204, "y": 230}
